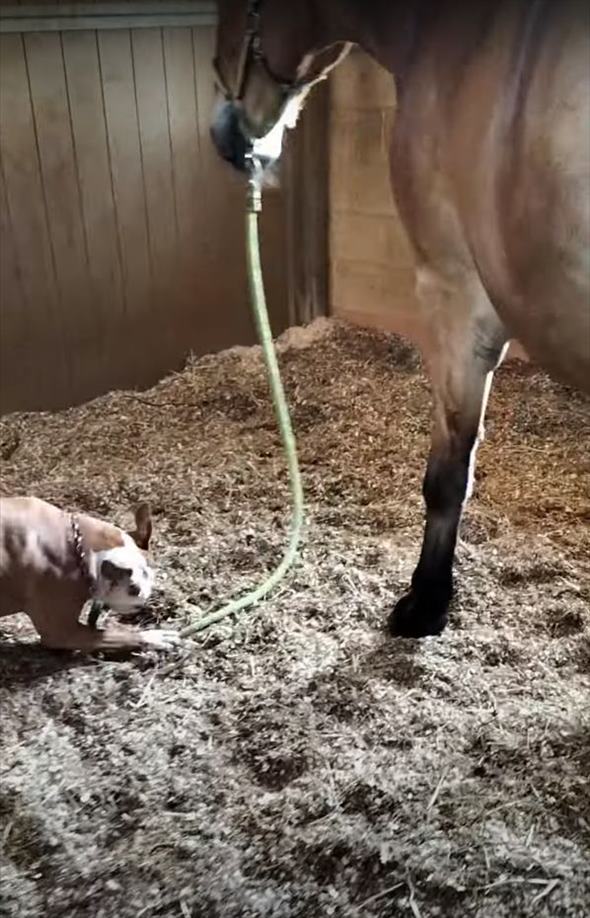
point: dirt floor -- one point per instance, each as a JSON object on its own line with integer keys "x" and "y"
{"x": 301, "y": 763}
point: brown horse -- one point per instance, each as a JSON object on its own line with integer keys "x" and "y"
{"x": 490, "y": 165}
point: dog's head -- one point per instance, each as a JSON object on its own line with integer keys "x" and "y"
{"x": 124, "y": 578}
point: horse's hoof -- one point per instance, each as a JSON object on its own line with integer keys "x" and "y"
{"x": 417, "y": 616}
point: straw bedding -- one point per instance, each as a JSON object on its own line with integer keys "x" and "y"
{"x": 300, "y": 762}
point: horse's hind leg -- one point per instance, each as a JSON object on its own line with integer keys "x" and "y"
{"x": 468, "y": 345}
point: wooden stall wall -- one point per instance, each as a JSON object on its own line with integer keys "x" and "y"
{"x": 371, "y": 263}
{"x": 122, "y": 232}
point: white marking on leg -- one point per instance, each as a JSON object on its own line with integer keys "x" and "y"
{"x": 481, "y": 431}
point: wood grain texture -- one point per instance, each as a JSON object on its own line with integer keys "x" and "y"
{"x": 26, "y": 231}
{"x": 91, "y": 150}
{"x": 372, "y": 266}
{"x": 122, "y": 232}
{"x": 65, "y": 224}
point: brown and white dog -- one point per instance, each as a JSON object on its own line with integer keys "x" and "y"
{"x": 52, "y": 563}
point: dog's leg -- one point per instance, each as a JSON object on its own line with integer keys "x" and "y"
{"x": 113, "y": 638}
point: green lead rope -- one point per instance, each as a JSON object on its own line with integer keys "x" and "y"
{"x": 258, "y": 301}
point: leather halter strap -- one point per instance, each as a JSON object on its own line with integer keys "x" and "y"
{"x": 251, "y": 51}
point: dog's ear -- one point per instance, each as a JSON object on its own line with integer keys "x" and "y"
{"x": 113, "y": 573}
{"x": 143, "y": 527}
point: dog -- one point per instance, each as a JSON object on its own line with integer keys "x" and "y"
{"x": 53, "y": 563}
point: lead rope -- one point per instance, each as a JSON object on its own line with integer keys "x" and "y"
{"x": 259, "y": 307}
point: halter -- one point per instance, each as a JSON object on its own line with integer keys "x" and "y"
{"x": 251, "y": 52}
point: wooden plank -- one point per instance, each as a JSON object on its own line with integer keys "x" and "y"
{"x": 26, "y": 202}
{"x": 225, "y": 298}
{"x": 359, "y": 83}
{"x": 192, "y": 220}
{"x": 358, "y": 285}
{"x": 376, "y": 239}
{"x": 58, "y": 17}
{"x": 97, "y": 201}
{"x": 128, "y": 190}
{"x": 274, "y": 242}
{"x": 371, "y": 297}
{"x": 14, "y": 340}
{"x": 127, "y": 228}
{"x": 226, "y": 303}
{"x": 120, "y": 8}
{"x": 308, "y": 230}
{"x": 15, "y": 318}
{"x": 62, "y": 194}
{"x": 359, "y": 166}
{"x": 156, "y": 158}
{"x": 372, "y": 268}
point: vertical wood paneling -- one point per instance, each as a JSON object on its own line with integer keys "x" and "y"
{"x": 128, "y": 191}
{"x": 156, "y": 157}
{"x": 96, "y": 193}
{"x": 224, "y": 221}
{"x": 66, "y": 230}
{"x": 27, "y": 207}
{"x": 371, "y": 262}
{"x": 122, "y": 231}
{"x": 306, "y": 163}
{"x": 15, "y": 314}
{"x": 224, "y": 201}
{"x": 193, "y": 237}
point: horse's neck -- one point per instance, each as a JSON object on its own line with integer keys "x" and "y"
{"x": 385, "y": 29}
{"x": 390, "y": 30}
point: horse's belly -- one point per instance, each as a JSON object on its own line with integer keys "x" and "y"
{"x": 553, "y": 326}
{"x": 533, "y": 255}
{"x": 526, "y": 211}
{"x": 491, "y": 170}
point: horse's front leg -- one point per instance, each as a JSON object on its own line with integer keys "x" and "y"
{"x": 468, "y": 345}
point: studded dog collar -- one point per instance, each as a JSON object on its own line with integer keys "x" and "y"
{"x": 80, "y": 555}
{"x": 97, "y": 608}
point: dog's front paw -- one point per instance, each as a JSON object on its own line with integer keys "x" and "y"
{"x": 154, "y": 639}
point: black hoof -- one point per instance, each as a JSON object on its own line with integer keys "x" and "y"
{"x": 417, "y": 616}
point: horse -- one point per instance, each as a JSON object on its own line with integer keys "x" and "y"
{"x": 490, "y": 165}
